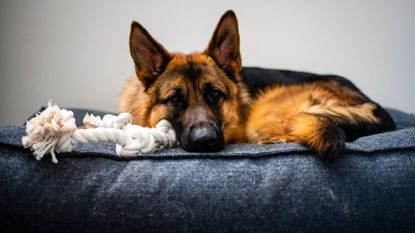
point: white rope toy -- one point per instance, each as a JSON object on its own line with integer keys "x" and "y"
{"x": 54, "y": 130}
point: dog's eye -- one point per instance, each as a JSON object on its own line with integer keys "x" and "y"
{"x": 176, "y": 99}
{"x": 214, "y": 95}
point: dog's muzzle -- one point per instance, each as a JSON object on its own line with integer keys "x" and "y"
{"x": 202, "y": 137}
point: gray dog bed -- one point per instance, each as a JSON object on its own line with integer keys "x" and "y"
{"x": 244, "y": 188}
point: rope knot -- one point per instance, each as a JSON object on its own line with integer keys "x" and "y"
{"x": 54, "y": 130}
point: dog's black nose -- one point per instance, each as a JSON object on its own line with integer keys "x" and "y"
{"x": 203, "y": 136}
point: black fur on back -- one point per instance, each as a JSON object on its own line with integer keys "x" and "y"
{"x": 257, "y": 79}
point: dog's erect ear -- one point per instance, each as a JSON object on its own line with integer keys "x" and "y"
{"x": 224, "y": 45}
{"x": 149, "y": 56}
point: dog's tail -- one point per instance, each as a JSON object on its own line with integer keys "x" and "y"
{"x": 326, "y": 130}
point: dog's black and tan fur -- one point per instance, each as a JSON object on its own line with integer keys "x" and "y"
{"x": 212, "y": 101}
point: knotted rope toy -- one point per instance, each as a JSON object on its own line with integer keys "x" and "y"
{"x": 54, "y": 130}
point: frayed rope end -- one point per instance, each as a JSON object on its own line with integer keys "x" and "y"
{"x": 46, "y": 128}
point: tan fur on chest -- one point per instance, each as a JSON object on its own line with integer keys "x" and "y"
{"x": 134, "y": 101}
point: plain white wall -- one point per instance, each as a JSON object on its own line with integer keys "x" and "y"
{"x": 76, "y": 52}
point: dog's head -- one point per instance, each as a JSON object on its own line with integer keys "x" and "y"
{"x": 200, "y": 93}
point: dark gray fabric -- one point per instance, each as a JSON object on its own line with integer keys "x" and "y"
{"x": 245, "y": 188}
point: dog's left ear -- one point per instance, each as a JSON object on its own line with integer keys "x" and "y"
{"x": 224, "y": 45}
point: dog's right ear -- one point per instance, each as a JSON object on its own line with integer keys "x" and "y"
{"x": 149, "y": 56}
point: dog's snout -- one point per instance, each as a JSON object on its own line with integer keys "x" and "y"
{"x": 203, "y": 136}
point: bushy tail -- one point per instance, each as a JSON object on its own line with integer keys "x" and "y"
{"x": 326, "y": 130}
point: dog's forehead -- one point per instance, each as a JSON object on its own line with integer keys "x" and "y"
{"x": 191, "y": 65}
{"x": 179, "y": 59}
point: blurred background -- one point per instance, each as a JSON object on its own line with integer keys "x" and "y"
{"x": 76, "y": 52}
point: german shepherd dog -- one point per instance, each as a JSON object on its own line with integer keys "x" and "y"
{"x": 212, "y": 101}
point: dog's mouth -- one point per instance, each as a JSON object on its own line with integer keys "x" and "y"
{"x": 201, "y": 138}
